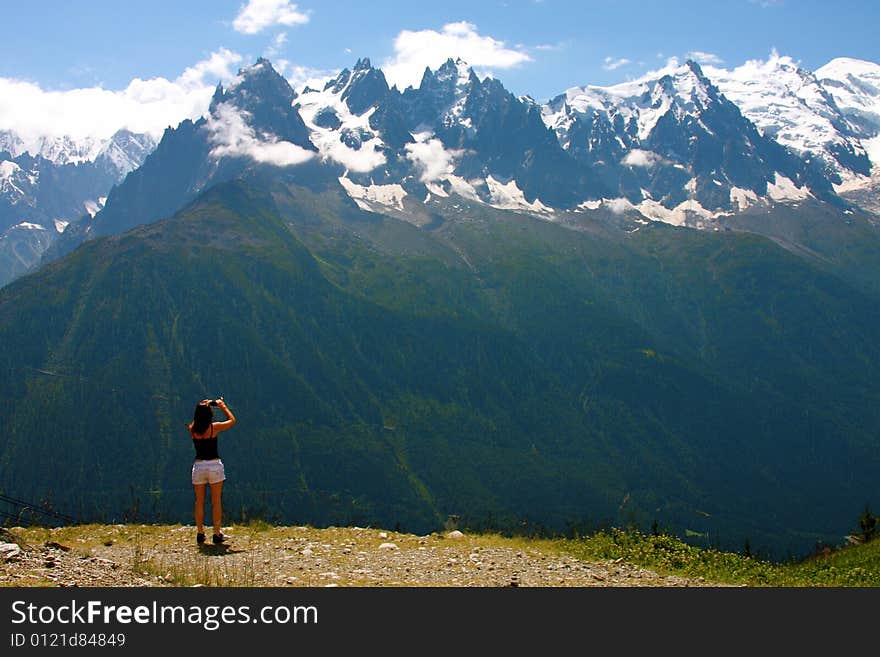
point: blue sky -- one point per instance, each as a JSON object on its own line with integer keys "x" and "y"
{"x": 536, "y": 47}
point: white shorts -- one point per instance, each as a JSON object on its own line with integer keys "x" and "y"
{"x": 208, "y": 472}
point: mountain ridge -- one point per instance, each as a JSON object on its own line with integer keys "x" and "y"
{"x": 668, "y": 147}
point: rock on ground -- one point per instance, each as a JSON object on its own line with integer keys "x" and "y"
{"x": 129, "y": 555}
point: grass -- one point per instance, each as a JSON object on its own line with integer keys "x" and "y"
{"x": 196, "y": 569}
{"x": 193, "y": 568}
{"x": 190, "y": 568}
{"x": 856, "y": 565}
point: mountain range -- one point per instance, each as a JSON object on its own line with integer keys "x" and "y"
{"x": 680, "y": 145}
{"x": 45, "y": 184}
{"x": 451, "y": 300}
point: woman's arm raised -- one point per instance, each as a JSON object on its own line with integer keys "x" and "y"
{"x": 230, "y": 418}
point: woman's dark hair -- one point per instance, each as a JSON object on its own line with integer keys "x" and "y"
{"x": 202, "y": 417}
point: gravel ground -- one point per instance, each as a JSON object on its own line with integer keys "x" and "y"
{"x": 145, "y": 555}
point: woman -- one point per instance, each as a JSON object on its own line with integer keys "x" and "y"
{"x": 208, "y": 468}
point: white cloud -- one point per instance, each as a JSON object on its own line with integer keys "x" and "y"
{"x": 619, "y": 205}
{"x": 147, "y": 106}
{"x": 232, "y": 136}
{"x": 416, "y": 50}
{"x": 612, "y": 63}
{"x": 219, "y": 66}
{"x": 300, "y": 77}
{"x": 257, "y": 15}
{"x": 362, "y": 160}
{"x": 432, "y": 158}
{"x": 639, "y": 158}
{"x": 303, "y": 76}
{"x": 561, "y": 45}
{"x": 705, "y": 57}
{"x": 276, "y": 45}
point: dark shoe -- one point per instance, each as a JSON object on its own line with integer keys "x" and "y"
{"x": 200, "y": 538}
{"x": 218, "y": 538}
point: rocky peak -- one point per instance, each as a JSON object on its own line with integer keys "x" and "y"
{"x": 363, "y": 64}
{"x": 454, "y": 69}
{"x": 366, "y": 87}
{"x": 442, "y": 92}
{"x": 337, "y": 84}
{"x": 454, "y": 73}
{"x": 218, "y": 94}
{"x": 265, "y": 100}
{"x": 257, "y": 85}
{"x": 684, "y": 86}
{"x": 124, "y": 152}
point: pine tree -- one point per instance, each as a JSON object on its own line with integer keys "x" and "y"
{"x": 868, "y": 523}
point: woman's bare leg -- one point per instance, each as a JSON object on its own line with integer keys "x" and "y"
{"x": 200, "y": 507}
{"x": 217, "y": 505}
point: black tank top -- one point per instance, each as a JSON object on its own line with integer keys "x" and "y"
{"x": 206, "y": 448}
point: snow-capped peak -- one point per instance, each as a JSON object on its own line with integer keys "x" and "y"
{"x": 16, "y": 183}
{"x": 58, "y": 149}
{"x": 454, "y": 70}
{"x": 855, "y": 86}
{"x": 343, "y": 134}
{"x": 776, "y": 88}
{"x": 679, "y": 87}
{"x": 453, "y": 80}
{"x": 125, "y": 151}
{"x": 685, "y": 81}
{"x": 118, "y": 155}
{"x": 842, "y": 68}
{"x": 791, "y": 105}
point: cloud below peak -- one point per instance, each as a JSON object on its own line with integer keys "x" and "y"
{"x": 233, "y": 137}
{"x": 144, "y": 106}
{"x": 432, "y": 158}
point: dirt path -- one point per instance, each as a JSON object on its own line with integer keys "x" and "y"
{"x": 149, "y": 555}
